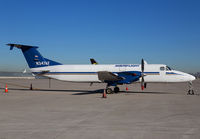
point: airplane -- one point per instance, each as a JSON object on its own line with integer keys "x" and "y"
{"x": 112, "y": 75}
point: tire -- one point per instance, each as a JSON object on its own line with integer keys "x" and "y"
{"x": 108, "y": 91}
{"x": 145, "y": 85}
{"x": 116, "y": 89}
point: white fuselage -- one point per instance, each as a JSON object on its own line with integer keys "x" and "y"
{"x": 89, "y": 73}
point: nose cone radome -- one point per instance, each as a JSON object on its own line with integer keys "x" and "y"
{"x": 186, "y": 77}
{"x": 192, "y": 78}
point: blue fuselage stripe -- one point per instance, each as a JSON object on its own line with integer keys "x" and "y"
{"x": 89, "y": 72}
{"x": 94, "y": 73}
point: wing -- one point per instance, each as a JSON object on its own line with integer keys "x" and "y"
{"x": 119, "y": 78}
{"x": 106, "y": 76}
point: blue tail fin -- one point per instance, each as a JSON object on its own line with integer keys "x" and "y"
{"x": 33, "y": 57}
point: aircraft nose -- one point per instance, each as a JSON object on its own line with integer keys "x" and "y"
{"x": 192, "y": 78}
{"x": 186, "y": 77}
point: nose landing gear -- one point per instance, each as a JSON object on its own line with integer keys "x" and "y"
{"x": 190, "y": 91}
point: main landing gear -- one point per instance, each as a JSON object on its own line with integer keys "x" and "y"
{"x": 116, "y": 89}
{"x": 110, "y": 91}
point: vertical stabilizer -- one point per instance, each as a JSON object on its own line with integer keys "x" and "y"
{"x": 33, "y": 57}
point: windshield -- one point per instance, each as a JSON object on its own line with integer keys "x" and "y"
{"x": 168, "y": 68}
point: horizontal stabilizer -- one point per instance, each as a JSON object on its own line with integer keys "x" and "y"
{"x": 42, "y": 72}
{"x": 12, "y": 45}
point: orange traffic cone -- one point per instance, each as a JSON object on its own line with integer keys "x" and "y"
{"x": 104, "y": 94}
{"x": 6, "y": 89}
{"x": 142, "y": 87}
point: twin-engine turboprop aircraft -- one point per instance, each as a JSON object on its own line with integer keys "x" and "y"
{"x": 113, "y": 75}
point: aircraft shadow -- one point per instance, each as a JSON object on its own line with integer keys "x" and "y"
{"x": 81, "y": 92}
{"x": 87, "y": 92}
{"x": 145, "y": 92}
{"x": 122, "y": 92}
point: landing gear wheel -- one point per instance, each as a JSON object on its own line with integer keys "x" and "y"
{"x": 145, "y": 85}
{"x": 116, "y": 89}
{"x": 191, "y": 91}
{"x": 108, "y": 91}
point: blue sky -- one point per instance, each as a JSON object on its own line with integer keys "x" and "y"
{"x": 111, "y": 31}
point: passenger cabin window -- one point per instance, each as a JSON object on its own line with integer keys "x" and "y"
{"x": 162, "y": 68}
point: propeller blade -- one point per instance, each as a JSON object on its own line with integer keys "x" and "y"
{"x": 142, "y": 83}
{"x": 142, "y": 65}
{"x": 142, "y": 74}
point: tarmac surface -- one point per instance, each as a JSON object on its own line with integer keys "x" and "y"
{"x": 78, "y": 111}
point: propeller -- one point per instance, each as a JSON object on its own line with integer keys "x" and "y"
{"x": 142, "y": 74}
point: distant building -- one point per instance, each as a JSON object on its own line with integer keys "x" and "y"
{"x": 15, "y": 74}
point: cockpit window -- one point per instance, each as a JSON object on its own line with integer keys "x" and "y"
{"x": 168, "y": 68}
{"x": 162, "y": 68}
